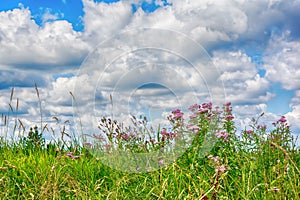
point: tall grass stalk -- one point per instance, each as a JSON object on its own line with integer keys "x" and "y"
{"x": 260, "y": 164}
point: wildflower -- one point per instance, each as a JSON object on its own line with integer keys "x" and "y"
{"x": 194, "y": 116}
{"x": 215, "y": 159}
{"x": 194, "y": 107}
{"x": 223, "y": 135}
{"x": 164, "y": 131}
{"x": 249, "y": 132}
{"x": 207, "y": 105}
{"x": 125, "y": 137}
{"x": 217, "y": 112}
{"x": 221, "y": 168}
{"x": 176, "y": 111}
{"x": 161, "y": 162}
{"x": 229, "y": 117}
{"x": 227, "y": 104}
{"x": 71, "y": 155}
{"x": 194, "y": 128}
{"x": 178, "y": 115}
{"x": 282, "y": 119}
{"x": 275, "y": 189}
{"x": 262, "y": 127}
{"x": 202, "y": 111}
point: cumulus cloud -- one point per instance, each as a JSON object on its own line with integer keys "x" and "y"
{"x": 243, "y": 84}
{"x": 282, "y": 61}
{"x": 102, "y": 20}
{"x": 25, "y": 44}
{"x": 124, "y": 64}
{"x": 294, "y": 115}
{"x": 49, "y": 16}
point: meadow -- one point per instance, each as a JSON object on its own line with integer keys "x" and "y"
{"x": 257, "y": 163}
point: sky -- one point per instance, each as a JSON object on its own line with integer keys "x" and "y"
{"x": 151, "y": 57}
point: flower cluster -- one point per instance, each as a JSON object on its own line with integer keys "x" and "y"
{"x": 224, "y": 135}
{"x": 72, "y": 156}
{"x": 168, "y": 135}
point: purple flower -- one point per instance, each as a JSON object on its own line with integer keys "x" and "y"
{"x": 227, "y": 104}
{"x": 125, "y": 137}
{"x": 262, "y": 127}
{"x": 168, "y": 134}
{"x": 223, "y": 135}
{"x": 194, "y": 107}
{"x": 176, "y": 111}
{"x": 161, "y": 162}
{"x": 164, "y": 131}
{"x": 194, "y": 128}
{"x": 249, "y": 132}
{"x": 207, "y": 105}
{"x": 221, "y": 168}
{"x": 178, "y": 115}
{"x": 229, "y": 117}
{"x": 282, "y": 119}
{"x": 204, "y": 110}
{"x": 71, "y": 155}
{"x": 194, "y": 116}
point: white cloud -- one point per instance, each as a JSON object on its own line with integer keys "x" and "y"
{"x": 53, "y": 44}
{"x": 241, "y": 79}
{"x": 293, "y": 116}
{"x": 48, "y": 16}
{"x": 102, "y": 20}
{"x": 282, "y": 61}
{"x": 56, "y": 47}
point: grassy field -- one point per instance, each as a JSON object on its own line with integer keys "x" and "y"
{"x": 259, "y": 163}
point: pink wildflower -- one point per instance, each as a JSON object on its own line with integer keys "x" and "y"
{"x": 176, "y": 111}
{"x": 229, "y": 117}
{"x": 194, "y": 107}
{"x": 177, "y": 114}
{"x": 207, "y": 105}
{"x": 125, "y": 137}
{"x": 204, "y": 110}
{"x": 194, "y": 128}
{"x": 71, "y": 155}
{"x": 282, "y": 119}
{"x": 168, "y": 135}
{"x": 161, "y": 162}
{"x": 227, "y": 104}
{"x": 221, "y": 168}
{"x": 223, "y": 135}
{"x": 215, "y": 159}
{"x": 194, "y": 116}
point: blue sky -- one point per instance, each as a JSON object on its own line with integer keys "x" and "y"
{"x": 254, "y": 45}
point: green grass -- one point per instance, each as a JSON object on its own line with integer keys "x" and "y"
{"x": 259, "y": 164}
{"x": 43, "y": 175}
